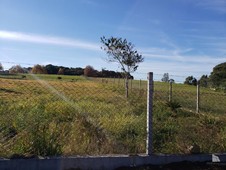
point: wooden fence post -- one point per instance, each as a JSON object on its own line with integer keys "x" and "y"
{"x": 150, "y": 90}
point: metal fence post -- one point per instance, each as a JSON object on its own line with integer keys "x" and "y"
{"x": 150, "y": 90}
{"x": 198, "y": 98}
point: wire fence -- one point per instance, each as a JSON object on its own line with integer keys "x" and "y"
{"x": 194, "y": 98}
{"x": 73, "y": 116}
{"x": 68, "y": 115}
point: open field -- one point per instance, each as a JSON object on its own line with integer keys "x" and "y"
{"x": 186, "y": 95}
{"x": 45, "y": 115}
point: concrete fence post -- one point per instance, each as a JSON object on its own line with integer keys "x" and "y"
{"x": 150, "y": 90}
{"x": 198, "y": 98}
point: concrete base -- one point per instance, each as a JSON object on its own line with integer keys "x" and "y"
{"x": 104, "y": 162}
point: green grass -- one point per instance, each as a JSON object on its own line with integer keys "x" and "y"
{"x": 51, "y": 116}
{"x": 63, "y": 117}
{"x": 43, "y": 77}
{"x": 186, "y": 95}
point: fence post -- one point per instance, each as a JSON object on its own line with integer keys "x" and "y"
{"x": 150, "y": 90}
{"x": 170, "y": 91}
{"x": 198, "y": 98}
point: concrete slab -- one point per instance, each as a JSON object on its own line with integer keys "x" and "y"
{"x": 104, "y": 162}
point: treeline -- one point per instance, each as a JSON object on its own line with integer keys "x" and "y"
{"x": 216, "y": 79}
{"x": 88, "y": 71}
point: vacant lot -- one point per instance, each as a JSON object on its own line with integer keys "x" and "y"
{"x": 69, "y": 115}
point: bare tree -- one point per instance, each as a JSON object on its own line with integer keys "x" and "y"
{"x": 123, "y": 53}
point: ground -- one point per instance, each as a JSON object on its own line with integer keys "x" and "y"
{"x": 179, "y": 166}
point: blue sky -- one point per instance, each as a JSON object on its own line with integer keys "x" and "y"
{"x": 179, "y": 37}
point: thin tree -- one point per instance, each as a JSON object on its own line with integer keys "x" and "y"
{"x": 123, "y": 53}
{"x": 165, "y": 77}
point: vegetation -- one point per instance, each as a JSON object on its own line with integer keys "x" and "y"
{"x": 1, "y": 67}
{"x": 123, "y": 53}
{"x": 38, "y": 69}
{"x": 89, "y": 71}
{"x": 55, "y": 117}
{"x": 216, "y": 80}
{"x": 204, "y": 81}
{"x": 190, "y": 80}
{"x": 54, "y": 70}
{"x": 218, "y": 76}
{"x": 44, "y": 115}
{"x": 16, "y": 69}
{"x": 165, "y": 77}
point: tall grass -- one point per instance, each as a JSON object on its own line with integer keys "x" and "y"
{"x": 86, "y": 117}
{"x": 54, "y": 117}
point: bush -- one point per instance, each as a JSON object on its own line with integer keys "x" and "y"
{"x": 173, "y": 105}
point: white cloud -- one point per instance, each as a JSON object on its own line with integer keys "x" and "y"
{"x": 180, "y": 55}
{"x": 41, "y": 39}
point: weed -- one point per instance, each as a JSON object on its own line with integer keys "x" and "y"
{"x": 173, "y": 105}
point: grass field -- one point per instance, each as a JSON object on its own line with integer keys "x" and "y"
{"x": 47, "y": 115}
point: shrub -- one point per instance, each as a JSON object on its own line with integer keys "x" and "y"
{"x": 173, "y": 105}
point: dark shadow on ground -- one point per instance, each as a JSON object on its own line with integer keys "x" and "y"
{"x": 180, "y": 166}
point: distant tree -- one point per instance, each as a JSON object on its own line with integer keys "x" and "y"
{"x": 17, "y": 69}
{"x": 61, "y": 71}
{"x": 204, "y": 81}
{"x": 1, "y": 67}
{"x": 165, "y": 77}
{"x": 110, "y": 74}
{"x": 89, "y": 71}
{"x": 51, "y": 69}
{"x": 38, "y": 69}
{"x": 218, "y": 75}
{"x": 123, "y": 53}
{"x": 190, "y": 80}
{"x": 76, "y": 71}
